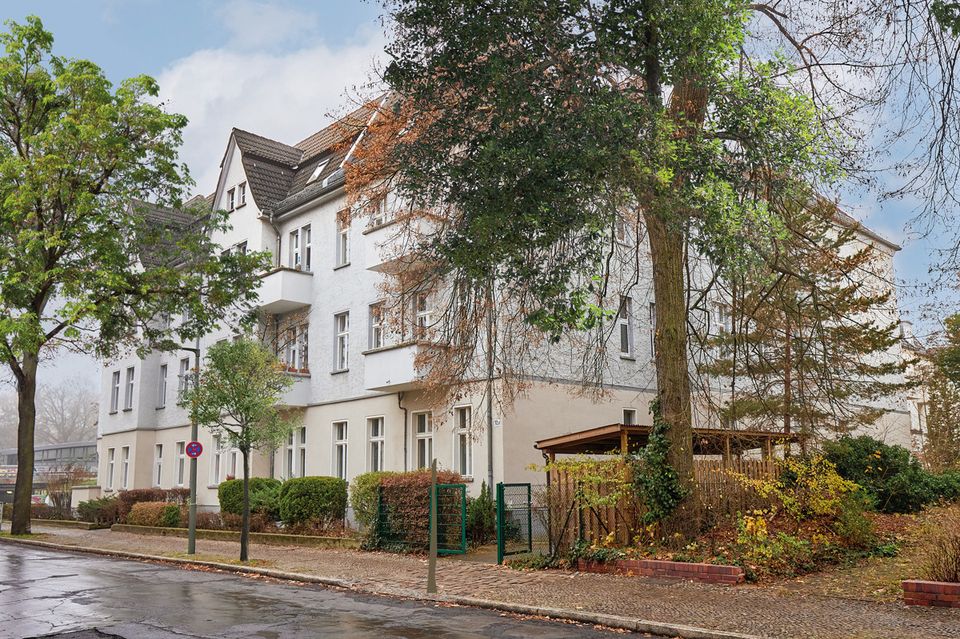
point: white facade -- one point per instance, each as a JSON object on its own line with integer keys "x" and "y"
{"x": 362, "y": 406}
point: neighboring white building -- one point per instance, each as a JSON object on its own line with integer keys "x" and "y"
{"x": 363, "y": 408}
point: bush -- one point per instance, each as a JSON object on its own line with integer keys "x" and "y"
{"x": 941, "y": 548}
{"x": 481, "y": 518}
{"x": 305, "y": 499}
{"x": 104, "y": 511}
{"x": 154, "y": 513}
{"x": 406, "y": 523}
{"x": 230, "y": 493}
{"x": 892, "y": 477}
{"x": 179, "y": 496}
{"x": 234, "y": 522}
{"x": 130, "y": 497}
{"x": 207, "y": 521}
{"x": 852, "y": 526}
{"x": 266, "y": 502}
{"x": 947, "y": 485}
{"x": 364, "y": 497}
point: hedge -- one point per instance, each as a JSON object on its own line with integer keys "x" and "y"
{"x": 321, "y": 500}
{"x": 154, "y": 513}
{"x": 405, "y": 524}
{"x": 104, "y": 511}
{"x": 230, "y": 493}
{"x": 128, "y": 498}
{"x": 37, "y": 511}
{"x": 364, "y": 491}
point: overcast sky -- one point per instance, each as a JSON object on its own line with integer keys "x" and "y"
{"x": 281, "y": 69}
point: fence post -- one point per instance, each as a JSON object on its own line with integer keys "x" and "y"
{"x": 500, "y": 523}
{"x": 432, "y": 562}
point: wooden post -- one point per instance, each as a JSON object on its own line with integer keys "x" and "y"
{"x": 767, "y": 449}
{"x": 726, "y": 449}
{"x": 624, "y": 442}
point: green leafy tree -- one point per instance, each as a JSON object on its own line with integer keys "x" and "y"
{"x": 941, "y": 446}
{"x": 85, "y": 263}
{"x": 237, "y": 398}
{"x": 810, "y": 332}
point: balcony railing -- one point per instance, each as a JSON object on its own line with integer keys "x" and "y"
{"x": 298, "y": 395}
{"x": 284, "y": 289}
{"x": 392, "y": 368}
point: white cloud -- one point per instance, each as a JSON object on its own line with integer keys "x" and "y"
{"x": 260, "y": 25}
{"x": 285, "y": 96}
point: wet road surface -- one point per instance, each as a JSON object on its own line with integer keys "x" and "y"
{"x": 55, "y": 593}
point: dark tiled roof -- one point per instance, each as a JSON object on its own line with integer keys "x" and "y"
{"x": 279, "y": 174}
{"x": 848, "y": 221}
{"x": 161, "y": 225}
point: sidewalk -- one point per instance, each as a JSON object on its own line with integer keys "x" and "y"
{"x": 751, "y": 610}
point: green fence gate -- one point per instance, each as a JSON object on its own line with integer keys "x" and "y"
{"x": 514, "y": 520}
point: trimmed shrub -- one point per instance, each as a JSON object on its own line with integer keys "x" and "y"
{"x": 154, "y": 513}
{"x": 947, "y": 485}
{"x": 364, "y": 491}
{"x": 104, "y": 511}
{"x": 405, "y": 524}
{"x": 130, "y": 497}
{"x": 307, "y": 499}
{"x": 207, "y": 521}
{"x": 230, "y": 493}
{"x": 37, "y": 511}
{"x": 481, "y": 518}
{"x": 266, "y": 502}
{"x": 234, "y": 522}
{"x": 890, "y": 475}
{"x": 179, "y": 496}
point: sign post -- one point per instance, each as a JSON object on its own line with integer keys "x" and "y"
{"x": 432, "y": 561}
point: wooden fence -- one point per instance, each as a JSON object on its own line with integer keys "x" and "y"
{"x": 612, "y": 509}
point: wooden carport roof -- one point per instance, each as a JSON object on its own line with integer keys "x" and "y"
{"x": 614, "y": 438}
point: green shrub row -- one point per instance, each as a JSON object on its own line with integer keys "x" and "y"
{"x": 104, "y": 511}
{"x": 316, "y": 501}
{"x": 893, "y": 479}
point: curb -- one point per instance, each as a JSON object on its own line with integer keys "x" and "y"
{"x": 601, "y": 619}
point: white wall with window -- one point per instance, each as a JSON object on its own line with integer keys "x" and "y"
{"x": 111, "y": 460}
{"x": 114, "y": 391}
{"x": 375, "y": 338}
{"x": 301, "y": 248}
{"x": 289, "y": 459}
{"x": 342, "y": 256}
{"x": 125, "y": 467}
{"x": 216, "y": 461}
{"x": 625, "y": 327}
{"x": 375, "y": 446}
{"x": 340, "y": 450}
{"x": 423, "y": 431}
{"x": 341, "y": 355}
{"x": 296, "y": 351}
{"x": 302, "y": 452}
{"x": 162, "y": 387}
{"x": 183, "y": 377}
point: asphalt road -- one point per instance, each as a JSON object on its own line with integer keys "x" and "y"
{"x": 71, "y": 595}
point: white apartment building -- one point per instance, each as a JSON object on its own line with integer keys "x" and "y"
{"x": 362, "y": 403}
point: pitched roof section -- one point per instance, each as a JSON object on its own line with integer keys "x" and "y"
{"x": 279, "y": 175}
{"x": 161, "y": 225}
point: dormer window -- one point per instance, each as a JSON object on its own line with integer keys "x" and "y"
{"x": 241, "y": 194}
{"x": 231, "y": 199}
{"x": 317, "y": 171}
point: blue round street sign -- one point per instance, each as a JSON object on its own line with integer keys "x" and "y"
{"x": 194, "y": 449}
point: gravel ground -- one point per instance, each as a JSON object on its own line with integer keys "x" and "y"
{"x": 747, "y": 609}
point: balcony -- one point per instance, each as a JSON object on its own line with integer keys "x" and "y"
{"x": 389, "y": 248}
{"x": 298, "y": 395}
{"x": 392, "y": 368}
{"x": 284, "y": 289}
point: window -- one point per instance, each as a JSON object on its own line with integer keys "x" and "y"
{"x": 625, "y": 327}
{"x": 217, "y": 462}
{"x": 301, "y": 248}
{"x": 128, "y": 391}
{"x": 341, "y": 354}
{"x": 295, "y": 354}
{"x": 242, "y": 248}
{"x": 340, "y": 450}
{"x": 621, "y": 229}
{"x": 375, "y": 430}
{"x": 629, "y": 416}
{"x": 463, "y": 445}
{"x": 422, "y": 314}
{"x": 183, "y": 378}
{"x": 111, "y": 454}
{"x": 376, "y": 326}
{"x": 241, "y": 194}
{"x": 157, "y": 464}
{"x": 319, "y": 170}
{"x": 378, "y": 212}
{"x": 162, "y": 387}
{"x": 302, "y": 461}
{"x": 125, "y": 467}
{"x": 181, "y": 463}
{"x": 234, "y": 463}
{"x": 423, "y": 425}
{"x": 289, "y": 469}
{"x": 115, "y": 391}
{"x": 230, "y": 200}
{"x": 343, "y": 242}
{"x": 653, "y": 329}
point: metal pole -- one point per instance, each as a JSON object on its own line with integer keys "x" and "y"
{"x": 432, "y": 562}
{"x": 194, "y": 434}
{"x": 490, "y": 362}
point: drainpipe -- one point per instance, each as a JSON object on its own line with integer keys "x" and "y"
{"x": 276, "y": 229}
{"x": 405, "y": 420}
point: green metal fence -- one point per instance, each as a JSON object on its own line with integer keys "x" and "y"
{"x": 451, "y": 519}
{"x": 514, "y": 520}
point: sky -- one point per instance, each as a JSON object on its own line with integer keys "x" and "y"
{"x": 282, "y": 69}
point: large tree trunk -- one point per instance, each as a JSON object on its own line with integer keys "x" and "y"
{"x": 27, "y": 410}
{"x": 245, "y": 522}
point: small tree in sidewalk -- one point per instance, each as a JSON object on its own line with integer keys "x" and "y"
{"x": 237, "y": 397}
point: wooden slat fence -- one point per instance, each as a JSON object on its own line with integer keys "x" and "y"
{"x": 721, "y": 494}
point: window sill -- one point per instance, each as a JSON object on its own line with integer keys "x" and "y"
{"x": 629, "y": 358}
{"x": 340, "y": 266}
{"x": 241, "y": 205}
{"x": 340, "y": 371}
{"x": 160, "y": 407}
{"x": 113, "y": 412}
{"x": 377, "y": 227}
{"x": 467, "y": 479}
{"x": 127, "y": 410}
